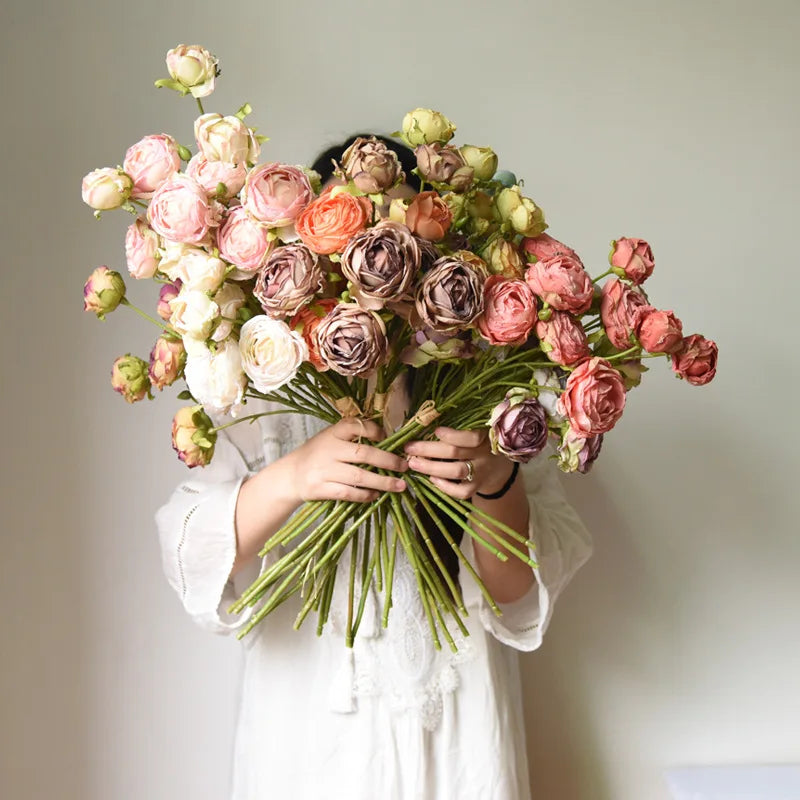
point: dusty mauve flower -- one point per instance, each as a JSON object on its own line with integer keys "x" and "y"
{"x": 216, "y": 379}
{"x": 617, "y": 309}
{"x": 244, "y": 242}
{"x": 226, "y": 139}
{"x": 328, "y": 223}
{"x": 544, "y": 247}
{"x": 271, "y": 352}
{"x": 276, "y": 193}
{"x": 563, "y": 338}
{"x": 351, "y": 340}
{"x": 289, "y": 280}
{"x": 229, "y": 298}
{"x": 483, "y": 161}
{"x": 444, "y": 164}
{"x": 696, "y": 361}
{"x": 167, "y": 359}
{"x": 150, "y": 162}
{"x": 562, "y": 282}
{"x": 106, "y": 188}
{"x": 658, "y": 331}
{"x": 518, "y": 426}
{"x": 450, "y": 296}
{"x": 141, "y": 249}
{"x": 306, "y": 321}
{"x": 371, "y": 165}
{"x": 509, "y": 311}
{"x": 193, "y": 437}
{"x": 180, "y": 211}
{"x": 425, "y": 126}
{"x": 210, "y": 174}
{"x": 427, "y": 345}
{"x": 193, "y": 266}
{"x": 103, "y": 291}
{"x": 429, "y": 216}
{"x": 503, "y": 258}
{"x": 381, "y": 263}
{"x": 634, "y": 257}
{"x": 594, "y": 398}
{"x": 193, "y": 67}
{"x": 577, "y": 453}
{"x": 129, "y": 378}
{"x": 166, "y": 294}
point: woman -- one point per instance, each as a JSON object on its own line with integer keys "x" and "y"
{"x": 393, "y": 716}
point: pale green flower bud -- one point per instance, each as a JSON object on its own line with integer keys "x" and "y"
{"x": 483, "y": 161}
{"x": 129, "y": 377}
{"x": 103, "y": 292}
{"x": 426, "y": 126}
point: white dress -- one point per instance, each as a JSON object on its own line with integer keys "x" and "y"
{"x": 392, "y": 717}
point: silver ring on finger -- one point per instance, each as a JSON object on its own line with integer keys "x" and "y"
{"x": 470, "y": 471}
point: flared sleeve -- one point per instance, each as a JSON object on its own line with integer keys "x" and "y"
{"x": 563, "y": 544}
{"x": 197, "y": 533}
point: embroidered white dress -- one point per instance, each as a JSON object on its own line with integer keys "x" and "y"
{"x": 393, "y": 717}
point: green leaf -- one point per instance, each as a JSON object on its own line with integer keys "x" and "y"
{"x": 244, "y": 111}
{"x": 185, "y": 395}
{"x": 169, "y": 83}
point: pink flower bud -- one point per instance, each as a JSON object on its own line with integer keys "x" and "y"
{"x": 167, "y": 293}
{"x": 633, "y": 257}
{"x": 193, "y": 437}
{"x": 103, "y": 292}
{"x": 129, "y": 377}
{"x": 167, "y": 359}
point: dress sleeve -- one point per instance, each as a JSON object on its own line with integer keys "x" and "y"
{"x": 196, "y": 528}
{"x": 563, "y": 544}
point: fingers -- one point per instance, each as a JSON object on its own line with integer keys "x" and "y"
{"x": 474, "y": 438}
{"x": 355, "y": 453}
{"x": 350, "y": 429}
{"x": 356, "y": 476}
{"x": 452, "y": 470}
{"x": 439, "y": 450}
{"x": 461, "y": 491}
{"x": 340, "y": 491}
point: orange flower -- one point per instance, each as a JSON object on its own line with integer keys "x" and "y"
{"x": 429, "y": 216}
{"x": 327, "y": 224}
{"x": 310, "y": 318}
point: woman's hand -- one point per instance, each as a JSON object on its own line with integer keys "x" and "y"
{"x": 326, "y": 466}
{"x": 446, "y": 462}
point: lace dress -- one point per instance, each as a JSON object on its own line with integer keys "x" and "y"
{"x": 393, "y": 717}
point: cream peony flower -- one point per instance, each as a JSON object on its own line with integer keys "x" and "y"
{"x": 216, "y": 380}
{"x": 193, "y": 313}
{"x": 192, "y": 265}
{"x": 271, "y": 352}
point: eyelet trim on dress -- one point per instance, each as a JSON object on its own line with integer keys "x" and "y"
{"x": 181, "y": 543}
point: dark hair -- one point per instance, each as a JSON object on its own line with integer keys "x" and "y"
{"x": 323, "y": 164}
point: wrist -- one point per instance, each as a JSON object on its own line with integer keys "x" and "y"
{"x": 499, "y": 477}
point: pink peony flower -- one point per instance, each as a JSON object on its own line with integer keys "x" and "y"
{"x": 129, "y": 377}
{"x": 226, "y": 139}
{"x": 562, "y": 282}
{"x": 180, "y": 211}
{"x": 107, "y": 188}
{"x": 617, "y": 308}
{"x": 563, "y": 338}
{"x": 210, "y": 174}
{"x": 141, "y": 249}
{"x": 658, "y": 331}
{"x": 696, "y": 360}
{"x": 634, "y": 257}
{"x": 151, "y": 161}
{"x": 594, "y": 397}
{"x": 276, "y": 193}
{"x": 167, "y": 293}
{"x": 244, "y": 242}
{"x": 545, "y": 247}
{"x": 193, "y": 436}
{"x": 509, "y": 311}
{"x": 167, "y": 359}
{"x": 103, "y": 291}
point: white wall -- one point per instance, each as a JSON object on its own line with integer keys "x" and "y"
{"x": 680, "y": 642}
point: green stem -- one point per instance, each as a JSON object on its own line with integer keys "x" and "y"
{"x": 602, "y": 275}
{"x": 200, "y": 105}
{"x": 132, "y": 307}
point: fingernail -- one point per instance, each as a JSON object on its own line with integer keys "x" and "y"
{"x": 401, "y": 486}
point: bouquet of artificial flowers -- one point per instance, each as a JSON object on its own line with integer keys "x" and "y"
{"x": 319, "y": 300}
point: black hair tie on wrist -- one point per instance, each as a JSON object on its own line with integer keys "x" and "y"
{"x": 506, "y": 486}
